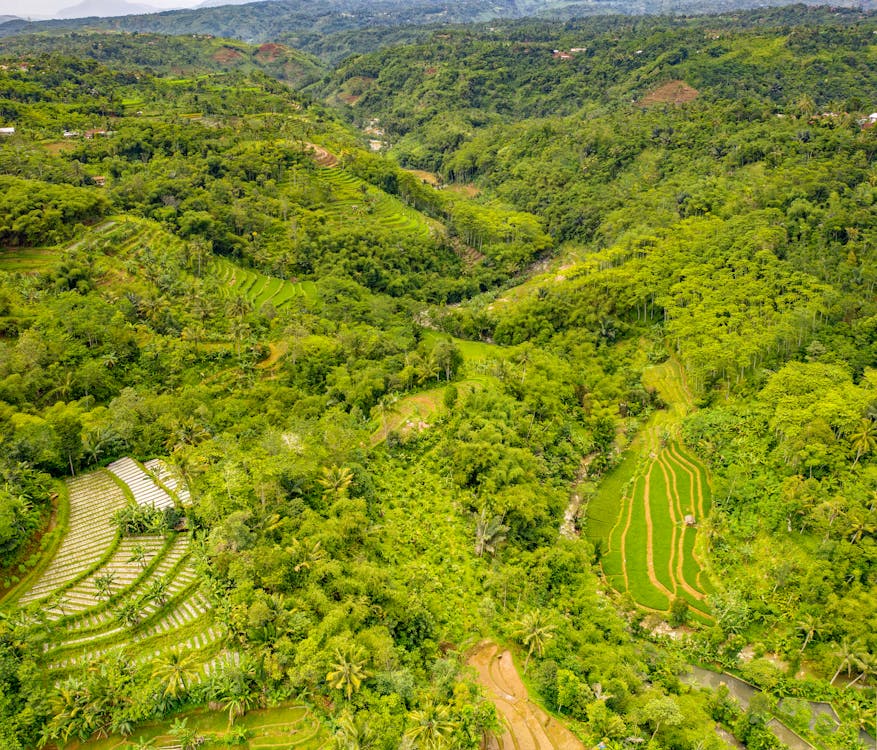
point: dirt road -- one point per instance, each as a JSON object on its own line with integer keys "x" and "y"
{"x": 527, "y": 727}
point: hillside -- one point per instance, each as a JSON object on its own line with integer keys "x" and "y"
{"x": 510, "y": 433}
{"x": 306, "y": 25}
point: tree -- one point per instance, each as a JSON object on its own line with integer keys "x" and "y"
{"x": 867, "y": 666}
{"x": 138, "y": 555}
{"x": 175, "y": 670}
{"x": 809, "y": 625}
{"x": 864, "y": 438}
{"x": 188, "y": 737}
{"x": 849, "y": 654}
{"x": 662, "y": 711}
{"x": 347, "y": 673}
{"x": 335, "y": 480}
{"x": 678, "y": 612}
{"x": 534, "y": 631}
{"x": 431, "y": 726}
{"x": 490, "y": 532}
{"x": 158, "y": 591}
{"x": 353, "y": 732}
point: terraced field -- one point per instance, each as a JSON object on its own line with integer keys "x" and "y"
{"x": 290, "y": 727}
{"x": 138, "y": 594}
{"x": 645, "y": 512}
{"x": 353, "y": 198}
{"x": 94, "y": 498}
{"x": 257, "y": 288}
{"x": 525, "y": 725}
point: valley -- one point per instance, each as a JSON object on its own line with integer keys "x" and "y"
{"x": 528, "y": 429}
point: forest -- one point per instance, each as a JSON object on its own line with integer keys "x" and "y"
{"x": 440, "y": 387}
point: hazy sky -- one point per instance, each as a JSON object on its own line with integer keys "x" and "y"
{"x": 47, "y": 8}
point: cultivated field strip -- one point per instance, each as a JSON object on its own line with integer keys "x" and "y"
{"x": 94, "y": 498}
{"x": 646, "y": 510}
{"x": 159, "y": 469}
{"x": 183, "y": 620}
{"x": 139, "y": 594}
{"x": 353, "y": 197}
{"x": 120, "y": 568}
{"x": 650, "y": 548}
{"x": 143, "y": 487}
{"x": 258, "y": 288}
{"x": 201, "y": 636}
{"x": 165, "y": 568}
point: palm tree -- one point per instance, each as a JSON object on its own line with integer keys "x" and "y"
{"x": 849, "y": 652}
{"x": 808, "y": 625}
{"x": 867, "y": 666}
{"x": 489, "y": 533}
{"x": 865, "y": 438}
{"x": 175, "y": 670}
{"x": 308, "y": 556}
{"x": 353, "y": 733}
{"x": 347, "y": 673}
{"x": 861, "y": 522}
{"x": 238, "y": 701}
{"x": 534, "y": 631}
{"x": 336, "y": 480}
{"x": 188, "y": 738}
{"x": 431, "y": 727}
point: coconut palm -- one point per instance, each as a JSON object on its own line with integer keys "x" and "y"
{"x": 347, "y": 673}
{"x": 534, "y": 631}
{"x": 138, "y": 555}
{"x": 129, "y": 614}
{"x": 175, "y": 669}
{"x": 864, "y": 438}
{"x": 867, "y": 666}
{"x": 238, "y": 701}
{"x": 158, "y": 592}
{"x": 490, "y": 532}
{"x": 809, "y": 625}
{"x": 431, "y": 726}
{"x": 353, "y": 733}
{"x": 335, "y": 481}
{"x": 849, "y": 653}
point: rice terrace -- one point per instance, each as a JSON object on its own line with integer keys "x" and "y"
{"x": 644, "y": 515}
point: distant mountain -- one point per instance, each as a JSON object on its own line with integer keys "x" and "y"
{"x": 305, "y": 24}
{"x": 4, "y": 19}
{"x": 218, "y": 3}
{"x": 105, "y": 9}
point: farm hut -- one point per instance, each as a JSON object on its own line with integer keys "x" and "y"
{"x": 690, "y": 520}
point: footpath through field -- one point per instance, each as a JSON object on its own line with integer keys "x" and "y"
{"x": 645, "y": 513}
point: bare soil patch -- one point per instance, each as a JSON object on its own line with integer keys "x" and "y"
{"x": 672, "y": 92}
{"x": 527, "y": 726}
{"x": 226, "y": 55}
{"x": 269, "y": 52}
{"x": 427, "y": 177}
{"x": 468, "y": 190}
{"x": 323, "y": 157}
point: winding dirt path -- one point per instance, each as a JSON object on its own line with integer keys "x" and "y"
{"x": 527, "y": 727}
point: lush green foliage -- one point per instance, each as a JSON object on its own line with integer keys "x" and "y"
{"x": 236, "y": 284}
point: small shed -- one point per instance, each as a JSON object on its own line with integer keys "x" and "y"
{"x": 690, "y": 520}
{"x": 7, "y": 131}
